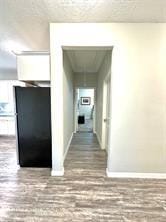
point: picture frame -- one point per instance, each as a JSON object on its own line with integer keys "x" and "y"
{"x": 85, "y": 100}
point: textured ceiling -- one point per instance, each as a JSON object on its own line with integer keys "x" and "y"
{"x": 88, "y": 61}
{"x": 24, "y": 24}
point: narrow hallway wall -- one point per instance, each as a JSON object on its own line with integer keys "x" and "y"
{"x": 68, "y": 107}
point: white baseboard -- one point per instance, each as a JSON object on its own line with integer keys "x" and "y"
{"x": 57, "y": 173}
{"x": 98, "y": 138}
{"x": 136, "y": 175}
{"x": 68, "y": 145}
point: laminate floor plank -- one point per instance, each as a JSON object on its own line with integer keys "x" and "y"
{"x": 84, "y": 193}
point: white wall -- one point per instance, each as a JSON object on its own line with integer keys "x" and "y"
{"x": 68, "y": 102}
{"x": 138, "y": 127}
{"x": 86, "y": 109}
{"x": 104, "y": 70}
{"x": 138, "y": 100}
{"x": 85, "y": 80}
{"x": 33, "y": 67}
{"x": 8, "y": 74}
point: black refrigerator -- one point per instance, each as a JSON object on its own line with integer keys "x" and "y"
{"x": 33, "y": 117}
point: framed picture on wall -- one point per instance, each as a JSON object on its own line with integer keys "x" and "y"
{"x": 85, "y": 100}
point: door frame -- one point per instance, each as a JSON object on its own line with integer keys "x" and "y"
{"x": 75, "y": 108}
{"x": 56, "y": 71}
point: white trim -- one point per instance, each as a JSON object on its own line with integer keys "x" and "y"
{"x": 67, "y": 148}
{"x": 68, "y": 47}
{"x": 27, "y": 53}
{"x": 57, "y": 173}
{"x": 98, "y": 138}
{"x": 136, "y": 175}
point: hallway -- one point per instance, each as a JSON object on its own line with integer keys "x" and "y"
{"x": 85, "y": 156}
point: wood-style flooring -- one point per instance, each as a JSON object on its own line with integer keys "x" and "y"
{"x": 83, "y": 194}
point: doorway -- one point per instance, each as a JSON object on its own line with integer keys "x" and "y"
{"x": 82, "y": 68}
{"x": 85, "y": 110}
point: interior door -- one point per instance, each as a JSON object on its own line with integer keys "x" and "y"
{"x": 107, "y": 119}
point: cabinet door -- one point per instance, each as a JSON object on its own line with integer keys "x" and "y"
{"x": 3, "y": 126}
{"x": 33, "y": 126}
{"x": 33, "y": 67}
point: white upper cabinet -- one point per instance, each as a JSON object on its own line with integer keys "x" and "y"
{"x": 32, "y": 67}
